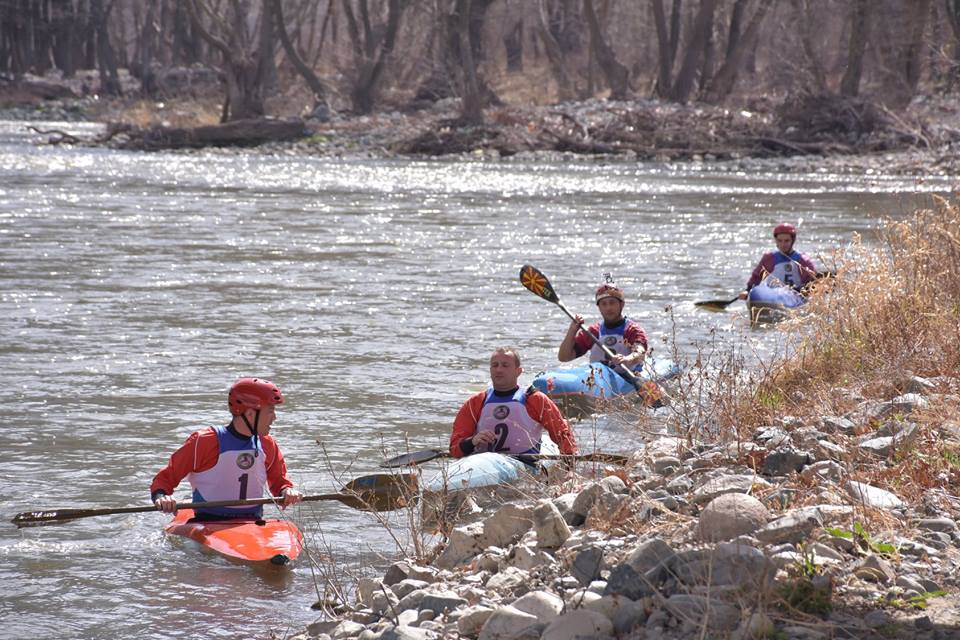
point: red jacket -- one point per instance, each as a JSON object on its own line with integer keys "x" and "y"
{"x": 539, "y": 406}
{"x": 201, "y": 452}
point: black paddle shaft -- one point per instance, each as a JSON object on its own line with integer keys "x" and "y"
{"x": 534, "y": 281}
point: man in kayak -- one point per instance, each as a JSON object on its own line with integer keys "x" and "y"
{"x": 232, "y": 462}
{"x": 786, "y": 265}
{"x": 506, "y": 418}
{"x": 624, "y": 337}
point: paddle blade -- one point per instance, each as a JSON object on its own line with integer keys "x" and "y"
{"x": 534, "y": 281}
{"x": 381, "y": 491}
{"x": 715, "y": 305}
{"x": 413, "y": 458}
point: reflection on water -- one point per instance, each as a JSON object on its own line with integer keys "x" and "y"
{"x": 136, "y": 288}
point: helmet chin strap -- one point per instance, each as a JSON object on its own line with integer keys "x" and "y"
{"x": 253, "y": 430}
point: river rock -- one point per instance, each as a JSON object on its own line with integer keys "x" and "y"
{"x": 716, "y": 616}
{"x": 908, "y": 403}
{"x": 441, "y": 601}
{"x": 837, "y": 424}
{"x": 785, "y": 461}
{"x": 667, "y": 465}
{"x": 525, "y": 558}
{"x": 462, "y": 545}
{"x": 472, "y": 620}
{"x": 384, "y": 601}
{"x": 346, "y": 629}
{"x": 793, "y": 527}
{"x": 944, "y": 525}
{"x": 823, "y": 470}
{"x": 725, "y": 484}
{"x": 506, "y": 526}
{"x": 649, "y": 554}
{"x": 508, "y": 580}
{"x": 548, "y": 523}
{"x": 587, "y": 564}
{"x": 730, "y": 515}
{"x": 871, "y": 496}
{"x": 578, "y": 624}
{"x": 875, "y": 569}
{"x": 587, "y": 498}
{"x": 625, "y": 581}
{"x": 506, "y": 623}
{"x": 728, "y": 564}
{"x": 879, "y": 447}
{"x": 543, "y": 605}
{"x": 404, "y": 587}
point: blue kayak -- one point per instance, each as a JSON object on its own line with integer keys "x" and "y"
{"x": 487, "y": 469}
{"x": 769, "y": 303}
{"x": 580, "y": 390}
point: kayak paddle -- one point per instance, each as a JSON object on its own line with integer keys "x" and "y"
{"x": 715, "y": 305}
{"x": 535, "y": 282}
{"x": 426, "y": 455}
{"x": 376, "y": 492}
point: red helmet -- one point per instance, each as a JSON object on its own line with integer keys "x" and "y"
{"x": 609, "y": 290}
{"x": 785, "y": 227}
{"x": 252, "y": 393}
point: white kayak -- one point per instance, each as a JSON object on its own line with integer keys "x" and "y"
{"x": 487, "y": 469}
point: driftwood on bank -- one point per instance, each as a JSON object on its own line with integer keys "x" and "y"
{"x": 239, "y": 133}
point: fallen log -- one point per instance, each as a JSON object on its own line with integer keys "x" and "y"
{"x": 239, "y": 133}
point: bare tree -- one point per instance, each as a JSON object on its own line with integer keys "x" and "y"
{"x": 471, "y": 110}
{"x": 616, "y": 74}
{"x": 372, "y": 45}
{"x": 683, "y": 84}
{"x": 856, "y": 46}
{"x": 316, "y": 86}
{"x": 555, "y": 56}
{"x": 723, "y": 82}
{"x": 240, "y": 54}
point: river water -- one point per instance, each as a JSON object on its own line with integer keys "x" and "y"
{"x": 136, "y": 288}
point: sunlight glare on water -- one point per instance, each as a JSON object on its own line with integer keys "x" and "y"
{"x": 137, "y": 287}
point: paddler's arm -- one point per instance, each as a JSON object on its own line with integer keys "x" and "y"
{"x": 543, "y": 410}
{"x": 277, "y": 479}
{"x": 763, "y": 268}
{"x": 464, "y": 438}
{"x": 199, "y": 452}
{"x": 568, "y": 347}
{"x": 636, "y": 338}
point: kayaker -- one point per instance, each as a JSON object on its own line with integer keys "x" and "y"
{"x": 506, "y": 418}
{"x": 231, "y": 462}
{"x": 625, "y": 337}
{"x": 786, "y": 265}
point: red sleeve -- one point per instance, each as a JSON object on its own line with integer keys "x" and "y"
{"x": 760, "y": 272}
{"x": 277, "y": 478}
{"x": 199, "y": 453}
{"x": 582, "y": 343}
{"x": 543, "y": 410}
{"x": 465, "y": 424}
{"x": 808, "y": 269}
{"x": 634, "y": 334}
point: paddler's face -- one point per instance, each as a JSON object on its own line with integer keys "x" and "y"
{"x": 784, "y": 242}
{"x": 267, "y": 416}
{"x": 610, "y": 309}
{"x": 504, "y": 371}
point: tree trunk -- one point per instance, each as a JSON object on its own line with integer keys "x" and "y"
{"x": 859, "y": 28}
{"x": 683, "y": 84}
{"x": 371, "y": 51}
{"x": 918, "y": 10}
{"x": 664, "y": 59}
{"x": 106, "y": 60}
{"x": 952, "y": 9}
{"x": 149, "y": 36}
{"x": 471, "y": 110}
{"x": 555, "y": 57}
{"x": 805, "y": 20}
{"x": 617, "y": 75}
{"x": 266, "y": 63}
{"x": 319, "y": 91}
{"x": 513, "y": 43}
{"x": 722, "y": 84}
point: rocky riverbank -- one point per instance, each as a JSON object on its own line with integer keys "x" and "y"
{"x": 786, "y": 535}
{"x": 793, "y": 133}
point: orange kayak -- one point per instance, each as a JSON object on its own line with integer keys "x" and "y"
{"x": 274, "y": 542}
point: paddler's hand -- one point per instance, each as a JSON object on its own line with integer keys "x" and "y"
{"x": 291, "y": 496}
{"x": 575, "y": 324}
{"x": 167, "y": 504}
{"x": 743, "y": 295}
{"x": 483, "y": 439}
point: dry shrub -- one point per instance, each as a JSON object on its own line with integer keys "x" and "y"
{"x": 892, "y": 309}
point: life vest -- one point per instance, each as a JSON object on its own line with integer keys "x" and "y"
{"x": 240, "y": 473}
{"x": 507, "y": 417}
{"x": 787, "y": 269}
{"x": 613, "y": 339}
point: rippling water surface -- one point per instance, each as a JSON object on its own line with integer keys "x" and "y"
{"x": 136, "y": 288}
